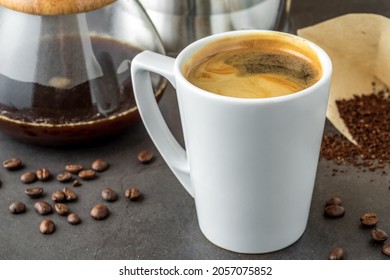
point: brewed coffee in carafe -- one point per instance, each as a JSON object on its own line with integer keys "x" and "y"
{"x": 64, "y": 72}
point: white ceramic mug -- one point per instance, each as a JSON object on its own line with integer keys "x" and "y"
{"x": 250, "y": 164}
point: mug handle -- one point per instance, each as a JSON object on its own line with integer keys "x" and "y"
{"x": 172, "y": 152}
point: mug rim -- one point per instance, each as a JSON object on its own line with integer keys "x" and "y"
{"x": 187, "y": 52}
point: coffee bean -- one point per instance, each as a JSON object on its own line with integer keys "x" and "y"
{"x": 43, "y": 174}
{"x": 334, "y": 200}
{"x": 69, "y": 194}
{"x": 28, "y": 177}
{"x": 87, "y": 174}
{"x": 17, "y": 207}
{"x": 378, "y": 235}
{"x": 74, "y": 168}
{"x": 132, "y": 194}
{"x": 12, "y": 164}
{"x": 109, "y": 195}
{"x": 34, "y": 192}
{"x": 99, "y": 212}
{"x": 47, "y": 227}
{"x": 336, "y": 254}
{"x": 369, "y": 219}
{"x": 58, "y": 196}
{"x": 43, "y": 208}
{"x": 99, "y": 165}
{"x": 386, "y": 249}
{"x": 73, "y": 219}
{"x": 145, "y": 157}
{"x": 64, "y": 177}
{"x": 334, "y": 211}
{"x": 61, "y": 209}
{"x": 76, "y": 183}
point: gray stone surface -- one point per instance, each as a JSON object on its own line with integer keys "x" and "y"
{"x": 164, "y": 224}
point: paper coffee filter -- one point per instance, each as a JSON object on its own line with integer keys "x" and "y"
{"x": 359, "y": 47}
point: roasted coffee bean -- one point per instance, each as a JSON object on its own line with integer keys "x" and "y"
{"x": 334, "y": 200}
{"x": 12, "y": 164}
{"x": 109, "y": 194}
{"x": 87, "y": 174}
{"x": 336, "y": 254}
{"x": 386, "y": 249}
{"x": 145, "y": 157}
{"x": 69, "y": 194}
{"x": 378, "y": 235}
{"x": 74, "y": 168}
{"x": 99, "y": 212}
{"x": 47, "y": 227}
{"x": 34, "y": 192}
{"x": 17, "y": 207}
{"x": 99, "y": 165}
{"x": 61, "y": 209}
{"x": 43, "y": 174}
{"x": 73, "y": 219}
{"x": 334, "y": 211}
{"x": 132, "y": 193}
{"x": 28, "y": 177}
{"x": 64, "y": 177}
{"x": 58, "y": 196}
{"x": 76, "y": 183}
{"x": 369, "y": 219}
{"x": 43, "y": 208}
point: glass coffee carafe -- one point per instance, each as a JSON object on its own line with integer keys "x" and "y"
{"x": 64, "y": 68}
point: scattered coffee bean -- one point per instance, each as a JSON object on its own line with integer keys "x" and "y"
{"x": 369, "y": 219}
{"x": 28, "y": 177}
{"x": 12, "y": 164}
{"x": 334, "y": 200}
{"x": 73, "y": 219}
{"x": 132, "y": 193}
{"x": 64, "y": 177}
{"x": 76, "y": 183}
{"x": 17, "y": 207}
{"x": 74, "y": 168}
{"x": 47, "y": 227}
{"x": 43, "y": 208}
{"x": 334, "y": 211}
{"x": 34, "y": 192}
{"x": 378, "y": 235}
{"x": 99, "y": 165}
{"x": 61, "y": 209}
{"x": 43, "y": 174}
{"x": 386, "y": 249}
{"x": 99, "y": 212}
{"x": 109, "y": 195}
{"x": 69, "y": 194}
{"x": 87, "y": 174}
{"x": 145, "y": 157}
{"x": 58, "y": 196}
{"x": 336, "y": 254}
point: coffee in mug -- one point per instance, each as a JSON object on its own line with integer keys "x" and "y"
{"x": 256, "y": 66}
{"x": 252, "y": 188}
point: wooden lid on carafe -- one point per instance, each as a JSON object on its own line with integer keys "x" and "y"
{"x": 54, "y": 7}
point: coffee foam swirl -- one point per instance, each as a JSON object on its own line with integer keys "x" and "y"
{"x": 255, "y": 71}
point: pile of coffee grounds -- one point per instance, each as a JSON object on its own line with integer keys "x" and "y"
{"x": 367, "y": 118}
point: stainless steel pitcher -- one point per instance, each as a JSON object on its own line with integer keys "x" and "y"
{"x": 180, "y": 22}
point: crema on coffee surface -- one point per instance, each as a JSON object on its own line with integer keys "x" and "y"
{"x": 254, "y": 67}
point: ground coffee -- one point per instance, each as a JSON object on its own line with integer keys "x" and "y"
{"x": 367, "y": 118}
